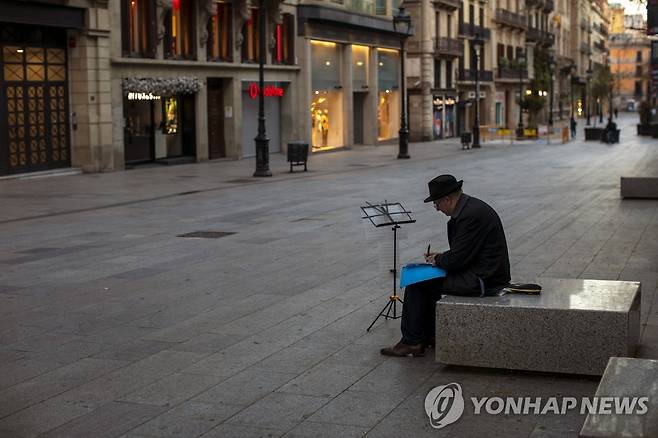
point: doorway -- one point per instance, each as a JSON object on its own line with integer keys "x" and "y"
{"x": 358, "y": 102}
{"x": 216, "y": 141}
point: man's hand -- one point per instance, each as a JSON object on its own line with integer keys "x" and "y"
{"x": 429, "y": 258}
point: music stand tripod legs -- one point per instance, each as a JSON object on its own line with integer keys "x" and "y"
{"x": 381, "y": 215}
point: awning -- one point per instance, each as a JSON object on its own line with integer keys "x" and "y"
{"x": 41, "y": 14}
{"x": 162, "y": 86}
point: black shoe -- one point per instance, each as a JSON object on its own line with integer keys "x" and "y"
{"x": 404, "y": 350}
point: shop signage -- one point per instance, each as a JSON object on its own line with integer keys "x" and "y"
{"x": 269, "y": 91}
{"x": 142, "y": 96}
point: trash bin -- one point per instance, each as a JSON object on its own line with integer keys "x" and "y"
{"x": 466, "y": 140}
{"x": 297, "y": 154}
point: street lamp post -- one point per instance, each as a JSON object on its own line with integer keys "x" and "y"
{"x": 551, "y": 71}
{"x": 588, "y": 101}
{"x": 520, "y": 59}
{"x": 262, "y": 140}
{"x": 478, "y": 44}
{"x": 402, "y": 26}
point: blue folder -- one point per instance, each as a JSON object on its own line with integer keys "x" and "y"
{"x": 417, "y": 272}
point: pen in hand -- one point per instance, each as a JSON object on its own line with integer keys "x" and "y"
{"x": 428, "y": 249}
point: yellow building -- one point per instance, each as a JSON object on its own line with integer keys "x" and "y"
{"x": 630, "y": 64}
{"x": 617, "y": 18}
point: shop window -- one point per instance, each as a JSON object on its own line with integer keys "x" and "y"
{"x": 360, "y": 55}
{"x": 179, "y": 32}
{"x": 138, "y": 28}
{"x": 388, "y": 110}
{"x": 219, "y": 34}
{"x": 284, "y": 41}
{"x": 327, "y": 100}
{"x": 250, "y": 38}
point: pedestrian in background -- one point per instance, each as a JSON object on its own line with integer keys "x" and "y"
{"x": 574, "y": 125}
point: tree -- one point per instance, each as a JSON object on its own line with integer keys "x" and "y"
{"x": 533, "y": 102}
{"x": 602, "y": 83}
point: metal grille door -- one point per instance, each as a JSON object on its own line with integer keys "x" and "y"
{"x": 34, "y": 132}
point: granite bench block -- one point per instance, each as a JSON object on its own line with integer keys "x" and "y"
{"x": 626, "y": 377}
{"x": 639, "y": 187}
{"x": 573, "y": 327}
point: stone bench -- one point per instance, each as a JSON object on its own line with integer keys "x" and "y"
{"x": 639, "y": 187}
{"x": 573, "y": 326}
{"x": 626, "y": 377}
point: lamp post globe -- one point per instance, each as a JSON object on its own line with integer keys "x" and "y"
{"x": 403, "y": 28}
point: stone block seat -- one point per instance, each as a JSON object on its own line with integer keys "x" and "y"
{"x": 626, "y": 377}
{"x": 639, "y": 187}
{"x": 573, "y": 326}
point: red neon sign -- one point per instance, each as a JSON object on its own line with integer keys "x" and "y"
{"x": 269, "y": 91}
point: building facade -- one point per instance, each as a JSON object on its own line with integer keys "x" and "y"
{"x": 350, "y": 84}
{"x": 630, "y": 52}
{"x": 185, "y": 79}
{"x": 55, "y": 110}
{"x": 174, "y": 81}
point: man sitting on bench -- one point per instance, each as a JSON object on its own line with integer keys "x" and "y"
{"x": 477, "y": 263}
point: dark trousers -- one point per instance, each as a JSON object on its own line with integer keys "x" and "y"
{"x": 418, "y": 314}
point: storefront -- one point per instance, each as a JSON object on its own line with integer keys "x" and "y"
{"x": 159, "y": 119}
{"x": 353, "y": 93}
{"x": 327, "y": 121}
{"x": 444, "y": 116}
{"x": 34, "y": 99}
{"x": 273, "y": 94}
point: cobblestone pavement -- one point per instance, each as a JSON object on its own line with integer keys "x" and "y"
{"x": 111, "y": 324}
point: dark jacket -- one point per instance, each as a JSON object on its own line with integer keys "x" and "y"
{"x": 478, "y": 249}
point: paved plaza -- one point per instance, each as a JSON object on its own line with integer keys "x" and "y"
{"x": 113, "y": 325}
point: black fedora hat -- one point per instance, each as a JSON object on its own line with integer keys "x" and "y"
{"x": 441, "y": 186}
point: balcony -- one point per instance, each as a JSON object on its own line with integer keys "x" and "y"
{"x": 534, "y": 3}
{"x": 468, "y": 75}
{"x": 601, "y": 28}
{"x": 511, "y": 19}
{"x": 450, "y": 5}
{"x": 448, "y": 47}
{"x": 584, "y": 48}
{"x": 539, "y": 36}
{"x": 469, "y": 30}
{"x": 511, "y": 73}
{"x": 600, "y": 45}
{"x": 549, "y": 6}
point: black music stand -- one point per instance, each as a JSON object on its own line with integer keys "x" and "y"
{"x": 381, "y": 215}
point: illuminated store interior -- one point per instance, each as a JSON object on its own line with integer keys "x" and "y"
{"x": 388, "y": 104}
{"x": 327, "y": 120}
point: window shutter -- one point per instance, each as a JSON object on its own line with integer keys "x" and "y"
{"x": 153, "y": 30}
{"x": 125, "y": 28}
